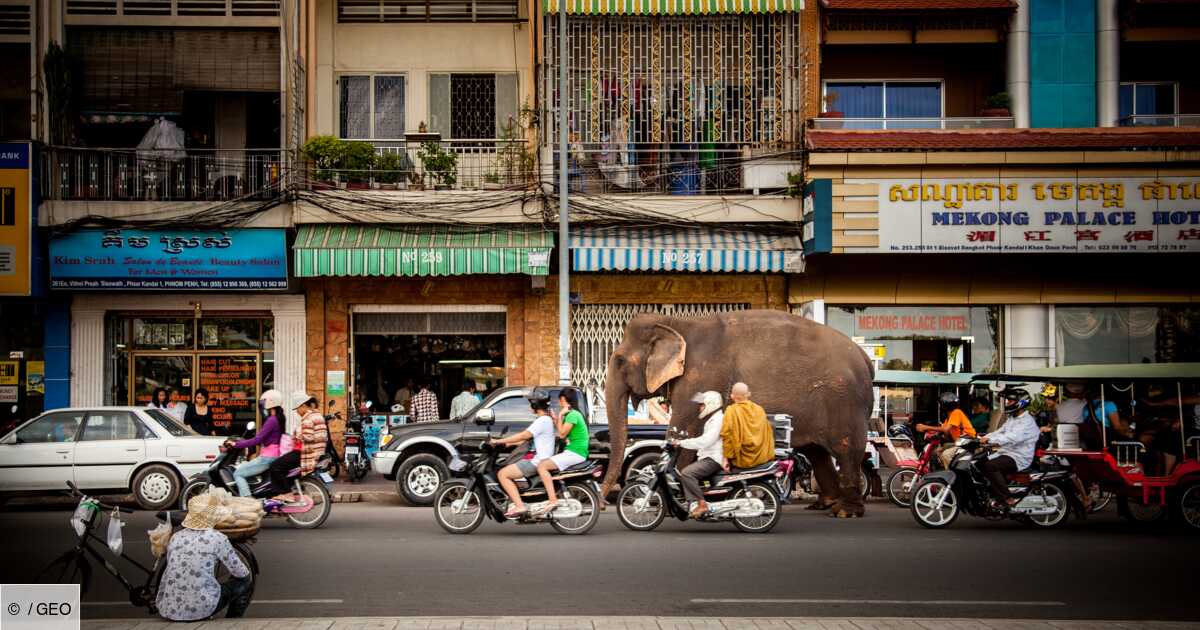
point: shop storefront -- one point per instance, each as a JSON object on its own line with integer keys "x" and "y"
{"x": 180, "y": 311}
{"x": 924, "y": 338}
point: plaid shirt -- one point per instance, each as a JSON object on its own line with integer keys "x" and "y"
{"x": 425, "y": 407}
{"x": 313, "y": 435}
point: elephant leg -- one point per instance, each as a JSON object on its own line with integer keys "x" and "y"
{"x": 850, "y": 501}
{"x": 822, "y": 465}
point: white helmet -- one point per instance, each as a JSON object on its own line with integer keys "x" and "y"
{"x": 710, "y": 401}
{"x": 271, "y": 399}
{"x": 298, "y": 398}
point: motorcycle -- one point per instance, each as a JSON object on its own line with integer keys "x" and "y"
{"x": 472, "y": 493}
{"x": 1045, "y": 493}
{"x": 749, "y": 498}
{"x": 798, "y": 472}
{"x": 309, "y": 512}
{"x": 335, "y": 464}
{"x": 909, "y": 472}
{"x": 357, "y": 462}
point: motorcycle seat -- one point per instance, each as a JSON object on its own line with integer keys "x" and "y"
{"x": 1021, "y": 476}
{"x": 582, "y": 467}
{"x": 753, "y": 469}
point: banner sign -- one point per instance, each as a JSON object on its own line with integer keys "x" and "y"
{"x": 16, "y": 219}
{"x": 1038, "y": 214}
{"x": 235, "y": 259}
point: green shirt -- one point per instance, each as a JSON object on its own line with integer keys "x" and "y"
{"x": 577, "y": 439}
{"x": 980, "y": 422}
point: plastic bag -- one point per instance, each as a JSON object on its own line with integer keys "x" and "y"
{"x": 116, "y": 541}
{"x": 81, "y": 515}
{"x": 160, "y": 537}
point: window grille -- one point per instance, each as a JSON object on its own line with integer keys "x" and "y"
{"x": 471, "y": 106}
{"x": 371, "y": 107}
{"x": 14, "y": 21}
{"x": 427, "y": 11}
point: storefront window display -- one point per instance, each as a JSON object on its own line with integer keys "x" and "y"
{"x": 1126, "y": 334}
{"x": 925, "y": 338}
{"x": 230, "y": 356}
{"x": 390, "y": 368}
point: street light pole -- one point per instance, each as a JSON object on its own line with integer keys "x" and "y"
{"x": 564, "y": 236}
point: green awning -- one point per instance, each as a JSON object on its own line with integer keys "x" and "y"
{"x": 420, "y": 250}
{"x": 1107, "y": 372}
{"x": 910, "y": 377}
{"x": 672, "y": 7}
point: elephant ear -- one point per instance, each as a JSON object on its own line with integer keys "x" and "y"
{"x": 665, "y": 361}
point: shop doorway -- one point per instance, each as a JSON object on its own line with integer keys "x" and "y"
{"x": 941, "y": 355}
{"x": 396, "y": 350}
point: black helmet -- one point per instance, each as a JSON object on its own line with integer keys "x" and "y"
{"x": 1015, "y": 400}
{"x": 899, "y": 431}
{"x": 539, "y": 399}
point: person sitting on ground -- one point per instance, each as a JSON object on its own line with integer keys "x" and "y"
{"x": 747, "y": 437}
{"x": 569, "y": 424}
{"x": 463, "y": 403}
{"x": 953, "y": 427}
{"x": 310, "y": 438}
{"x": 1017, "y": 442}
{"x": 710, "y": 452}
{"x": 189, "y": 590}
{"x": 981, "y": 413}
{"x": 541, "y": 431}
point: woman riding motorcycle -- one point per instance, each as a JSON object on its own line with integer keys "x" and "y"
{"x": 268, "y": 438}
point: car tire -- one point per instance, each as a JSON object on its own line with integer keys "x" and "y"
{"x": 418, "y": 478}
{"x": 639, "y": 462}
{"x": 156, "y": 487}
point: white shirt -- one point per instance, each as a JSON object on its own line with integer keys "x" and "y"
{"x": 542, "y": 430}
{"x": 462, "y": 403}
{"x": 1018, "y": 439}
{"x": 708, "y": 444}
{"x": 1070, "y": 411}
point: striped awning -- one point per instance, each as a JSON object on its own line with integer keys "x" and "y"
{"x": 420, "y": 250}
{"x": 681, "y": 249}
{"x": 672, "y": 7}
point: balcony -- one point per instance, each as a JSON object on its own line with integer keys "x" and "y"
{"x": 1162, "y": 120}
{"x": 155, "y": 12}
{"x": 406, "y": 165}
{"x": 677, "y": 169}
{"x": 73, "y": 174}
{"x": 983, "y": 122}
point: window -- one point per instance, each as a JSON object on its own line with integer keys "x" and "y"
{"x": 53, "y": 427}
{"x": 471, "y": 106}
{"x": 888, "y": 100}
{"x": 926, "y": 338}
{"x": 171, "y": 425}
{"x": 372, "y": 107}
{"x": 427, "y": 11}
{"x": 1148, "y": 99}
{"x": 513, "y": 409}
{"x": 1087, "y": 335}
{"x": 112, "y": 425}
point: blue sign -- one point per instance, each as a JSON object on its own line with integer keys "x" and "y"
{"x": 228, "y": 260}
{"x": 14, "y": 155}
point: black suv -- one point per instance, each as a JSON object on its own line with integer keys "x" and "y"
{"x": 417, "y": 455}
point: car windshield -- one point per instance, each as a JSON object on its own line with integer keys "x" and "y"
{"x": 171, "y": 425}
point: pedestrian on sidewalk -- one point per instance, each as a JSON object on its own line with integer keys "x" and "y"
{"x": 425, "y": 405}
{"x": 464, "y": 402}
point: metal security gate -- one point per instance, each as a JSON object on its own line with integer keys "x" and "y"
{"x": 597, "y": 329}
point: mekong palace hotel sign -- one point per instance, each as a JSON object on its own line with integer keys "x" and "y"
{"x": 1037, "y": 214}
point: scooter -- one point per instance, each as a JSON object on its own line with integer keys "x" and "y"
{"x": 357, "y": 463}
{"x": 749, "y": 498}
{"x": 473, "y": 493}
{"x": 308, "y": 512}
{"x": 335, "y": 463}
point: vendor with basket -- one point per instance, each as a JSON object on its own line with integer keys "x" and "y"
{"x": 189, "y": 590}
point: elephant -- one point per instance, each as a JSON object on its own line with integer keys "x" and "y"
{"x": 792, "y": 365}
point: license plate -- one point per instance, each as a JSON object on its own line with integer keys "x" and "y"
{"x": 352, "y": 450}
{"x": 325, "y": 477}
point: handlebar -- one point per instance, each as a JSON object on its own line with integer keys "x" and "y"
{"x": 75, "y": 492}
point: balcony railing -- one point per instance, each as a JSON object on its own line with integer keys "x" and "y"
{"x": 1162, "y": 120}
{"x": 478, "y": 164}
{"x": 982, "y": 122}
{"x": 683, "y": 169}
{"x": 131, "y": 175}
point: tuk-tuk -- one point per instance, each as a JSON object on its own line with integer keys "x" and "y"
{"x": 1142, "y": 423}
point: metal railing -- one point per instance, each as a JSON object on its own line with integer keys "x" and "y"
{"x": 682, "y": 169}
{"x": 69, "y": 173}
{"x": 981, "y": 122}
{"x": 486, "y": 163}
{"x": 1162, "y": 120}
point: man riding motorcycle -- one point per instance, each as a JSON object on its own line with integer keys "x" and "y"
{"x": 710, "y": 455}
{"x": 541, "y": 431}
{"x": 1017, "y": 441}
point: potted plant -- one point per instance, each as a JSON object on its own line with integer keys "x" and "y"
{"x": 357, "y": 162}
{"x": 391, "y": 170}
{"x": 830, "y": 111}
{"x": 491, "y": 181}
{"x": 325, "y": 154}
{"x": 441, "y": 165}
{"x": 515, "y": 160}
{"x": 997, "y": 106}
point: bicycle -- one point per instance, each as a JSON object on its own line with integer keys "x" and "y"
{"x": 73, "y": 567}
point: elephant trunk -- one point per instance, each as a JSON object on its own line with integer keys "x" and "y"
{"x": 616, "y": 399}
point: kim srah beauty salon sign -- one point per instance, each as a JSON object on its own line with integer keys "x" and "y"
{"x": 236, "y": 259}
{"x": 1039, "y": 215}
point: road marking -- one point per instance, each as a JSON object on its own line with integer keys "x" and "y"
{"x": 882, "y": 602}
{"x": 253, "y": 601}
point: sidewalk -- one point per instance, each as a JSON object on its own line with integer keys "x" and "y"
{"x": 639, "y": 623}
{"x": 373, "y": 488}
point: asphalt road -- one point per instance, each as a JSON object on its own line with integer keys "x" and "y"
{"x": 372, "y": 559}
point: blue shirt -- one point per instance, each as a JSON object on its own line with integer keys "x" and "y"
{"x": 1109, "y": 408}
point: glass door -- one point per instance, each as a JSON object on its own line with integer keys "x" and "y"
{"x": 232, "y": 381}
{"x": 174, "y": 372}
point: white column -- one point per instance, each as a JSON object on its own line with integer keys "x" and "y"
{"x": 290, "y": 343}
{"x": 1027, "y": 342}
{"x": 1108, "y": 63}
{"x": 1018, "y": 65}
{"x": 87, "y": 356}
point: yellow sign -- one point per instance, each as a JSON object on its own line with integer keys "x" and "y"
{"x": 16, "y": 218}
{"x": 10, "y": 372}
{"x": 35, "y": 377}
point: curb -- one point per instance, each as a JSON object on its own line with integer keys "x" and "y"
{"x": 366, "y": 496}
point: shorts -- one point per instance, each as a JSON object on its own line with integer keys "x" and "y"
{"x": 567, "y": 459}
{"x": 527, "y": 467}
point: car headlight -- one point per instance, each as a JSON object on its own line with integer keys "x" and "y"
{"x": 387, "y": 439}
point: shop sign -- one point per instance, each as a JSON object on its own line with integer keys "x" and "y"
{"x": 817, "y": 215}
{"x": 233, "y": 260}
{"x": 10, "y": 372}
{"x": 10, "y": 394}
{"x": 232, "y": 384}
{"x": 940, "y": 325}
{"x": 335, "y": 383}
{"x": 35, "y": 377}
{"x": 16, "y": 219}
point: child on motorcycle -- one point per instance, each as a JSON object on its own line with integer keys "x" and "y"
{"x": 541, "y": 431}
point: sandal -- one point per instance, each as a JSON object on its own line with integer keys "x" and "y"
{"x": 547, "y": 508}
{"x": 515, "y": 512}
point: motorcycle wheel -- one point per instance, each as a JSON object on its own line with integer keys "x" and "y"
{"x": 466, "y": 520}
{"x": 772, "y": 510}
{"x": 322, "y": 505}
{"x": 651, "y": 514}
{"x": 1137, "y": 512}
{"x": 361, "y": 467}
{"x": 925, "y": 508}
{"x": 1099, "y": 498}
{"x": 1187, "y": 506}
{"x": 1050, "y": 520}
{"x": 335, "y": 467}
{"x": 896, "y": 486}
{"x": 583, "y": 523}
{"x": 192, "y": 489}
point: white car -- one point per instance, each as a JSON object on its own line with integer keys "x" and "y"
{"x": 105, "y": 449}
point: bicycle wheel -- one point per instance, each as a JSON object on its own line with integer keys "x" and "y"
{"x": 70, "y": 568}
